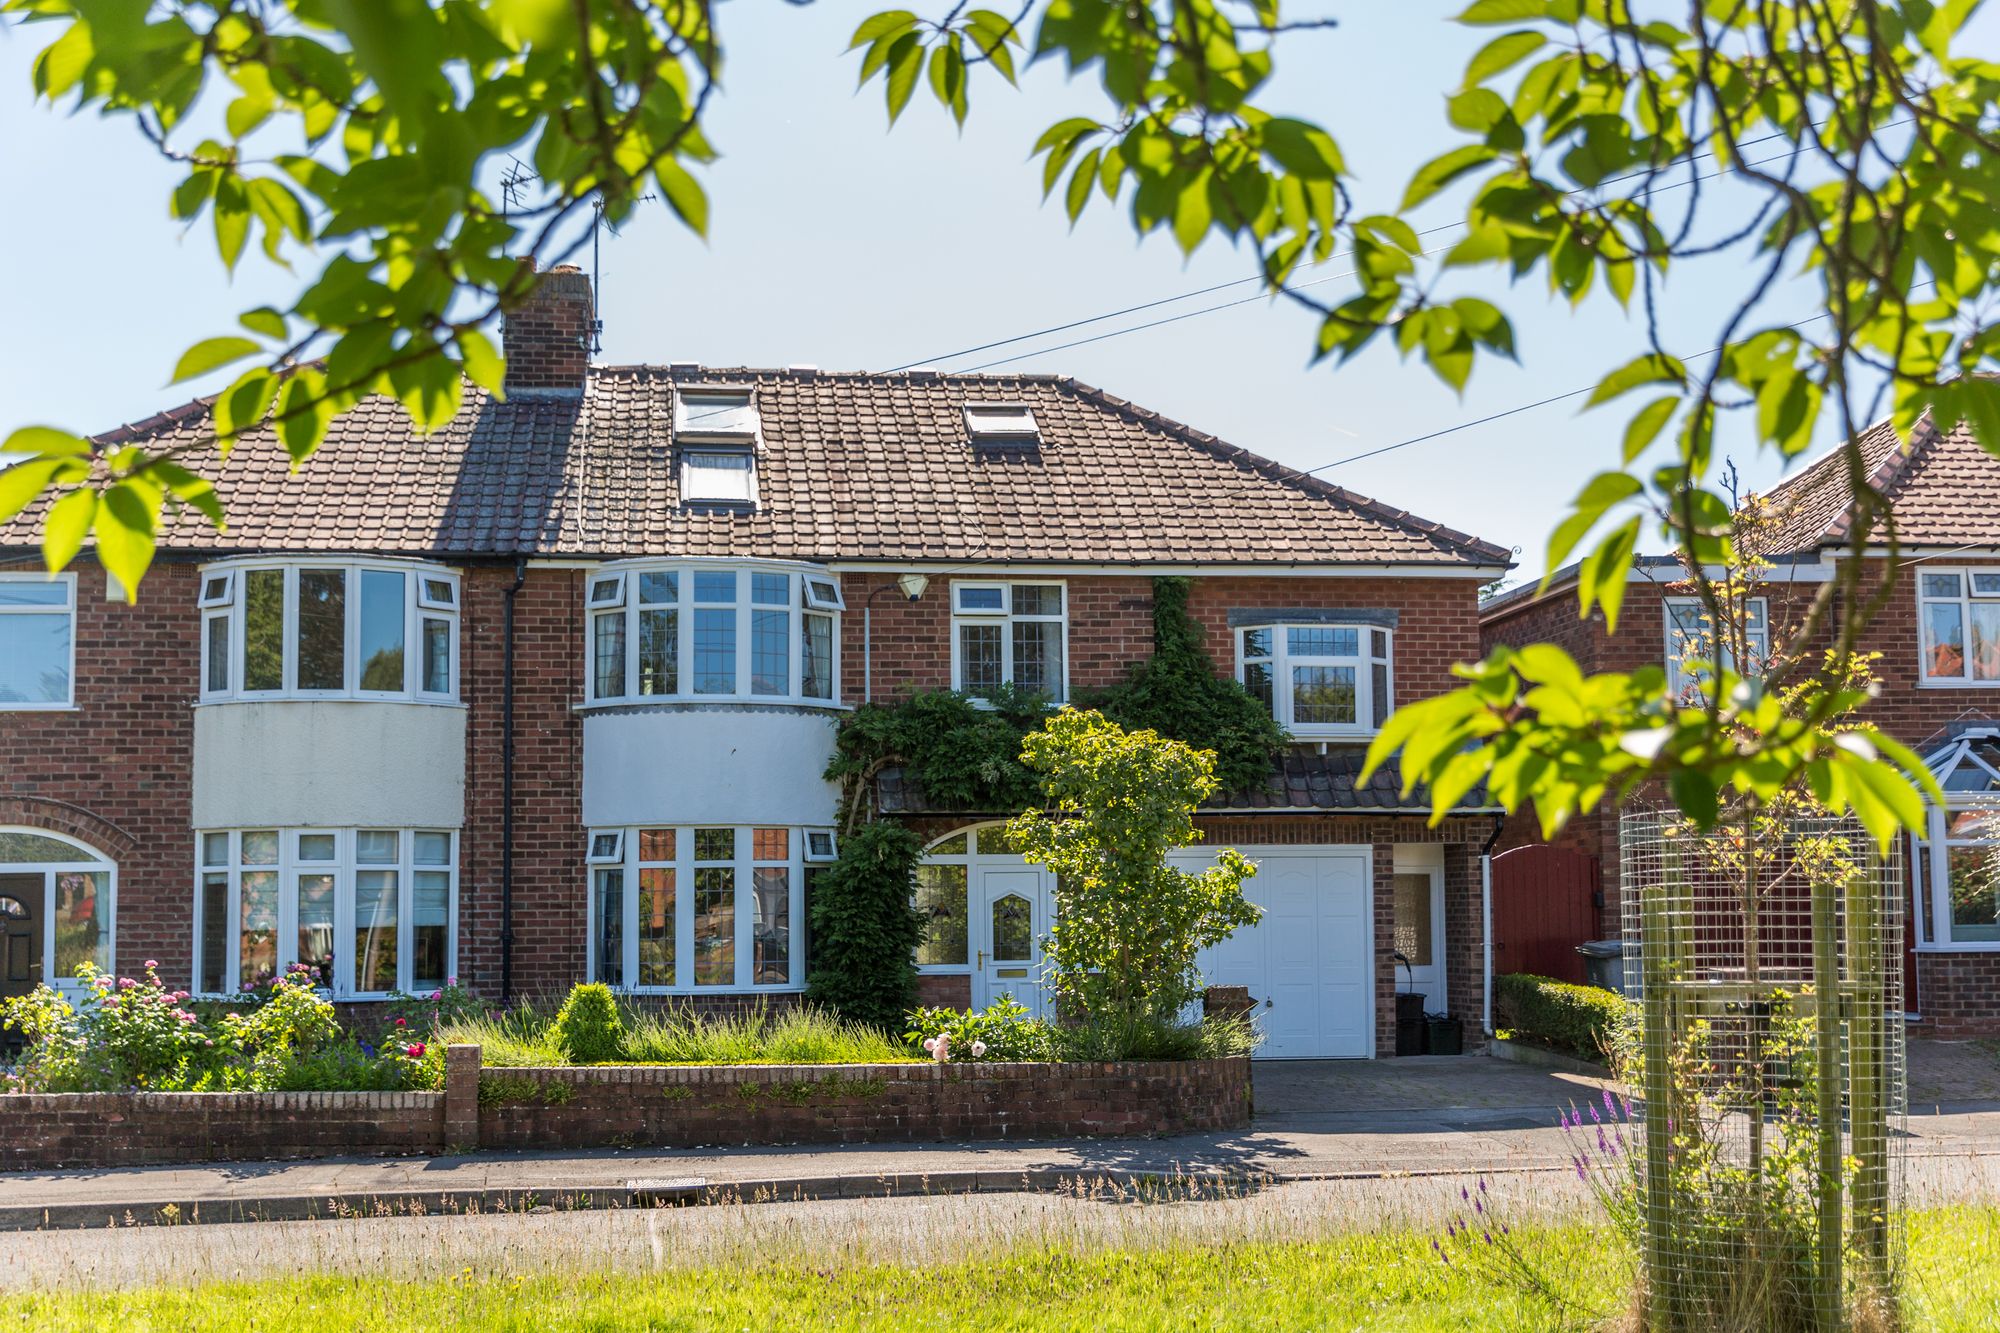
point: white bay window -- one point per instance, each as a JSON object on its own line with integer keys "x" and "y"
{"x": 329, "y": 629}
{"x": 712, "y": 633}
{"x": 1319, "y": 680}
{"x": 1955, "y": 866}
{"x": 371, "y": 910}
{"x": 699, "y": 908}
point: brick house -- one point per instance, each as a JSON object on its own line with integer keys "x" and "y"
{"x": 1939, "y": 675}
{"x": 548, "y": 694}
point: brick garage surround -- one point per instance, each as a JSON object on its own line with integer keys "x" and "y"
{"x": 1959, "y": 995}
{"x": 630, "y": 1106}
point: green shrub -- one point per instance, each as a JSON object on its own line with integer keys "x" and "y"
{"x": 1146, "y": 1037}
{"x": 1004, "y": 1030}
{"x": 1582, "y": 1021}
{"x": 588, "y": 1030}
{"x": 865, "y": 928}
{"x": 805, "y": 1035}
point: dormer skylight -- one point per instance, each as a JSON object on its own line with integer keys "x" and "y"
{"x": 716, "y": 432}
{"x": 1001, "y": 425}
{"x": 715, "y": 414}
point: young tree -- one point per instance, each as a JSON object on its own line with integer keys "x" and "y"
{"x": 1127, "y": 924}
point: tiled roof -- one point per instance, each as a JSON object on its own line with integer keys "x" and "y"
{"x": 853, "y": 467}
{"x": 1300, "y": 780}
{"x": 1944, "y": 490}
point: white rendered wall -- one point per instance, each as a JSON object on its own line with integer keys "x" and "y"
{"x": 720, "y": 765}
{"x": 333, "y": 763}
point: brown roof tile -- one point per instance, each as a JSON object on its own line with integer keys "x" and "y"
{"x": 1944, "y": 490}
{"x": 854, "y": 467}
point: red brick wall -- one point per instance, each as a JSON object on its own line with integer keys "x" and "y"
{"x": 1959, "y": 994}
{"x": 117, "y": 771}
{"x": 39, "y": 1132}
{"x": 689, "y": 1107}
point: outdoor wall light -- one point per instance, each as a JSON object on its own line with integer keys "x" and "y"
{"x": 913, "y": 585}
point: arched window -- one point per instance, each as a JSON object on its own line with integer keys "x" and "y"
{"x": 57, "y": 900}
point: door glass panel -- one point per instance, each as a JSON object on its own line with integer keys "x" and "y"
{"x": 13, "y": 907}
{"x": 941, "y": 900}
{"x": 374, "y": 930}
{"x": 1414, "y": 926}
{"x": 656, "y": 923}
{"x": 1013, "y": 929}
{"x": 316, "y": 925}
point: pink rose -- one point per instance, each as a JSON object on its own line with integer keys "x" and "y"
{"x": 152, "y": 964}
{"x": 415, "y": 1050}
{"x": 402, "y": 1022}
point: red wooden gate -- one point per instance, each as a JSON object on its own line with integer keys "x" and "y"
{"x": 1545, "y": 903}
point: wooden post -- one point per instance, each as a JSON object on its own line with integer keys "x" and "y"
{"x": 1867, "y": 1019}
{"x": 1826, "y": 1063}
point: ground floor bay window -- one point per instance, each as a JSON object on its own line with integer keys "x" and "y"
{"x": 685, "y": 909}
{"x": 1955, "y": 866}
{"x": 374, "y": 910}
{"x": 56, "y": 898}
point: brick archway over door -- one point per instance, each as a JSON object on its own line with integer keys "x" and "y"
{"x": 73, "y": 820}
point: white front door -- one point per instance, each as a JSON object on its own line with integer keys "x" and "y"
{"x": 1010, "y": 916}
{"x": 1309, "y": 962}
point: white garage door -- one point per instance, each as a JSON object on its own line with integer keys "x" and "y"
{"x": 1311, "y": 954}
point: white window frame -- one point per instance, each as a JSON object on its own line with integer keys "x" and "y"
{"x": 629, "y": 862}
{"x": 1967, "y": 599}
{"x": 692, "y": 437}
{"x": 288, "y": 867}
{"x": 744, "y": 605}
{"x": 1281, "y": 662}
{"x": 68, "y": 608}
{"x": 1679, "y": 679}
{"x": 1005, "y": 617}
{"x": 1931, "y": 856}
{"x": 688, "y": 453}
{"x": 417, "y": 609}
{"x": 989, "y": 433}
{"x": 88, "y": 860}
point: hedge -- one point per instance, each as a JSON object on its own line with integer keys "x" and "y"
{"x": 1576, "y": 1020}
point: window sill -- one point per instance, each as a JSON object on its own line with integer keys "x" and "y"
{"x": 41, "y": 708}
{"x": 331, "y": 699}
{"x": 679, "y": 703}
{"x": 1969, "y": 946}
{"x": 691, "y": 993}
{"x": 1958, "y": 684}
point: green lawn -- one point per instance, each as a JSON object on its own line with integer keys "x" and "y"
{"x": 1378, "y": 1280}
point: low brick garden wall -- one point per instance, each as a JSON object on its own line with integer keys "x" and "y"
{"x": 659, "y": 1106}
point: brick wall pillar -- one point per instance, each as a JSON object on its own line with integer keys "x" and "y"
{"x": 461, "y": 1097}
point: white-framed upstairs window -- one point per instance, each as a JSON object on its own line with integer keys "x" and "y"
{"x": 1691, "y": 640}
{"x": 329, "y": 629}
{"x": 37, "y": 641}
{"x": 374, "y": 911}
{"x": 1010, "y": 633}
{"x": 716, "y": 433}
{"x": 701, "y": 909}
{"x": 1319, "y": 680}
{"x": 1958, "y": 611}
{"x": 712, "y": 633}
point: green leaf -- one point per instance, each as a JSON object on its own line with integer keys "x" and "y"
{"x": 1597, "y": 497}
{"x": 232, "y": 220}
{"x": 483, "y": 363}
{"x": 240, "y": 407}
{"x": 684, "y": 195}
{"x": 884, "y": 24}
{"x": 266, "y": 321}
{"x": 1191, "y": 211}
{"x": 906, "y": 62}
{"x": 1646, "y": 425}
{"x": 22, "y": 483}
{"x": 1603, "y": 574}
{"x": 1503, "y": 11}
{"x": 125, "y": 538}
{"x": 1694, "y": 792}
{"x": 1651, "y": 368}
{"x": 1502, "y": 53}
{"x": 1302, "y": 148}
{"x": 66, "y": 526}
{"x": 45, "y": 441}
{"x": 1080, "y": 181}
{"x": 210, "y": 353}
{"x": 1441, "y": 171}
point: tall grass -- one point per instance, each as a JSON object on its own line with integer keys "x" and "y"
{"x": 674, "y": 1036}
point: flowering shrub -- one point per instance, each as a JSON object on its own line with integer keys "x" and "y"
{"x": 294, "y": 1021}
{"x": 1004, "y": 1030}
{"x": 427, "y": 1011}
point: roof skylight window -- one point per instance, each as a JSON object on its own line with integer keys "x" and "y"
{"x": 715, "y": 413}
{"x": 1001, "y": 424}
{"x": 718, "y": 476}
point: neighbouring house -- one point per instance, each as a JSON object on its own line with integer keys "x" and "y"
{"x": 548, "y": 695}
{"x": 1938, "y": 638}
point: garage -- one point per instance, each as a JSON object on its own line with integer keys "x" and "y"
{"x": 1308, "y": 962}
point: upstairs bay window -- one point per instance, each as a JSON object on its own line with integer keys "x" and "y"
{"x": 1009, "y": 634}
{"x": 1692, "y": 640}
{"x": 1959, "y": 612}
{"x": 370, "y": 909}
{"x": 706, "y": 633}
{"x": 327, "y": 629}
{"x": 37, "y": 640}
{"x": 1319, "y": 680}
{"x": 693, "y": 908}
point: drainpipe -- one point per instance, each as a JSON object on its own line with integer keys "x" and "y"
{"x": 507, "y": 786}
{"x": 1486, "y": 917}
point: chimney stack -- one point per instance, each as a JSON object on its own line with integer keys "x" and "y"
{"x": 547, "y": 338}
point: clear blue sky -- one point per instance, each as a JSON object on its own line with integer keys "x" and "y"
{"x": 838, "y": 242}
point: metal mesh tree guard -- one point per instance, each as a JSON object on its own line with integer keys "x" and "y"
{"x": 1767, "y": 956}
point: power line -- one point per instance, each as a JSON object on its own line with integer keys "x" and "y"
{"x": 1238, "y": 282}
